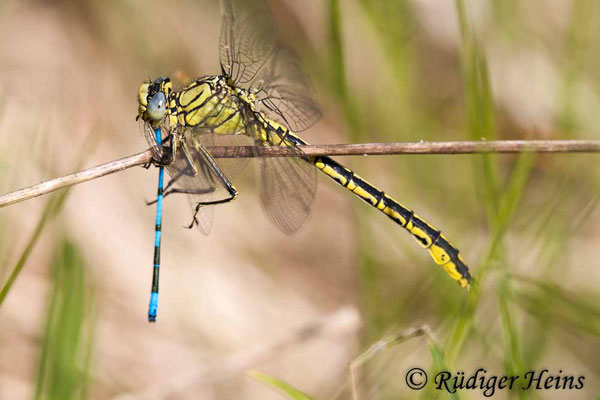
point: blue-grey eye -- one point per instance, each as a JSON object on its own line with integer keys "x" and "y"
{"x": 157, "y": 107}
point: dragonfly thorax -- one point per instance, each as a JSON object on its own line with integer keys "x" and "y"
{"x": 210, "y": 101}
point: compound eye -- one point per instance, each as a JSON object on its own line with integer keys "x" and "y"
{"x": 157, "y": 107}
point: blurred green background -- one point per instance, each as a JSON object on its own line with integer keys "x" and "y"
{"x": 76, "y": 265}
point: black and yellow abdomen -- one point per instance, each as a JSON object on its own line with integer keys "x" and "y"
{"x": 440, "y": 249}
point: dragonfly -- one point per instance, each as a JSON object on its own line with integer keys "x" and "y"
{"x": 261, "y": 98}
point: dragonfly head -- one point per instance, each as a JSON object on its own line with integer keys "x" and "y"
{"x": 153, "y": 98}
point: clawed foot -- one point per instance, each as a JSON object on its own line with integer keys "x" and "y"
{"x": 191, "y": 225}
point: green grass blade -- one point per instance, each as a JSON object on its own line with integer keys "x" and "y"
{"x": 513, "y": 358}
{"x": 53, "y": 206}
{"x": 337, "y": 69}
{"x": 68, "y": 336}
{"x": 392, "y": 21}
{"x": 576, "y": 49}
{"x": 278, "y": 384}
{"x": 338, "y": 77}
{"x": 480, "y": 110}
{"x": 507, "y": 207}
{"x": 547, "y": 301}
{"x": 501, "y": 203}
{"x": 439, "y": 364}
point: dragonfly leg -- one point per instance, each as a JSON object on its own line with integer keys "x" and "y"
{"x": 174, "y": 180}
{"x": 174, "y": 141}
{"x": 226, "y": 183}
{"x": 184, "y": 191}
{"x": 282, "y": 138}
{"x": 208, "y": 203}
{"x": 233, "y": 193}
{"x": 189, "y": 158}
{"x": 166, "y": 189}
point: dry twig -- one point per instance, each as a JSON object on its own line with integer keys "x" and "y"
{"x": 501, "y": 146}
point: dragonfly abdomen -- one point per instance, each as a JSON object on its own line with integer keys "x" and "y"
{"x": 440, "y": 249}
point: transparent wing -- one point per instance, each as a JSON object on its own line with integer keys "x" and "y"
{"x": 193, "y": 174}
{"x": 248, "y": 43}
{"x": 148, "y": 133}
{"x": 248, "y": 37}
{"x": 283, "y": 92}
{"x": 230, "y": 166}
{"x": 288, "y": 186}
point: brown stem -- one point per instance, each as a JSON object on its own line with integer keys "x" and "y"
{"x": 500, "y": 146}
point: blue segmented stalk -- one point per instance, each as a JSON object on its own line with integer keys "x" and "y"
{"x": 153, "y": 307}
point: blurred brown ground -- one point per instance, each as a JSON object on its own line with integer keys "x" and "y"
{"x": 70, "y": 70}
